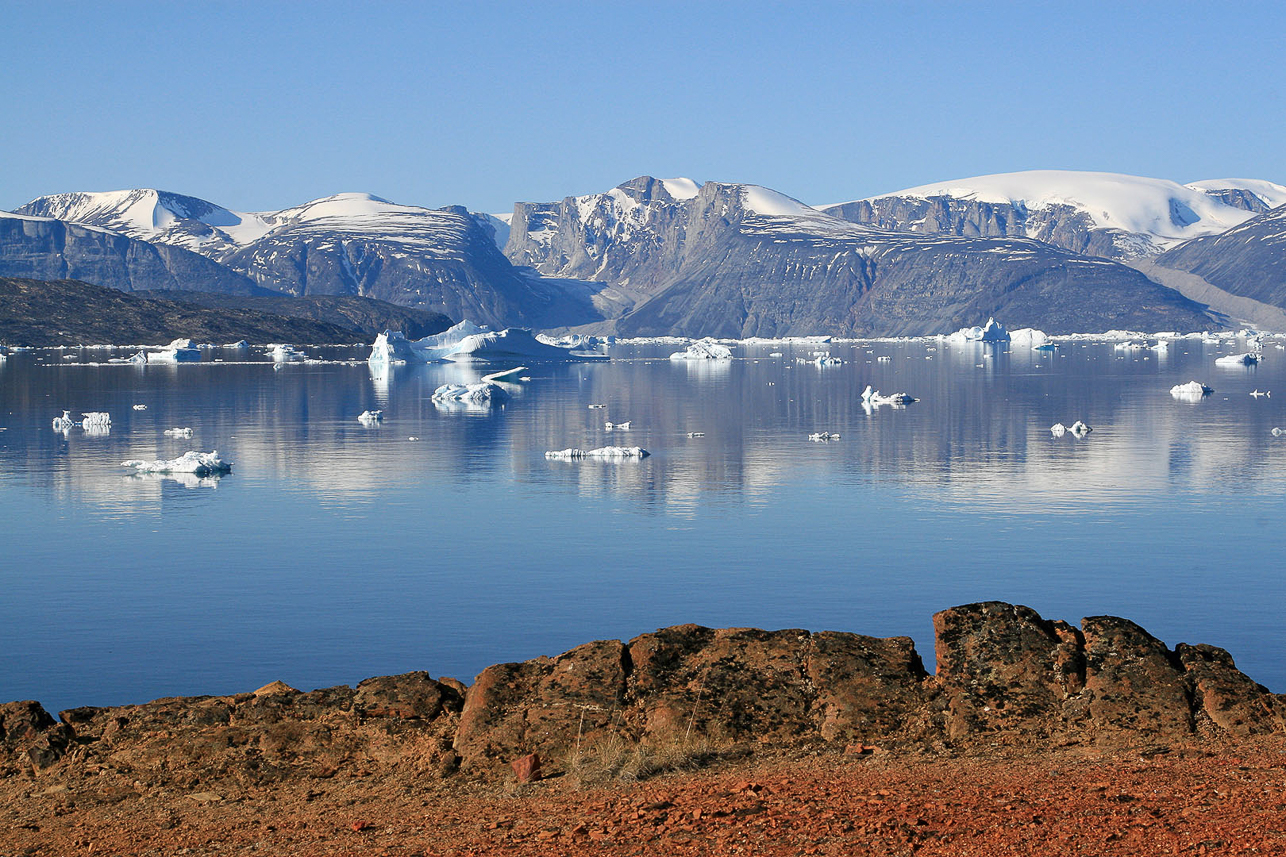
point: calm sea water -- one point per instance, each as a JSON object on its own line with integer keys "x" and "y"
{"x": 336, "y": 551}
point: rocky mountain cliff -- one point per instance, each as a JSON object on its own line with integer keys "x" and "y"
{"x": 45, "y": 249}
{"x": 1247, "y": 261}
{"x": 741, "y": 260}
{"x": 1097, "y": 214}
{"x": 445, "y": 260}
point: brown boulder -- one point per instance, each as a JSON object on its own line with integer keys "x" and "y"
{"x": 1134, "y": 683}
{"x": 28, "y": 733}
{"x": 727, "y": 685}
{"x": 547, "y": 705}
{"x": 410, "y": 696}
{"x": 1227, "y": 696}
{"x": 1002, "y": 668}
{"x": 866, "y": 687}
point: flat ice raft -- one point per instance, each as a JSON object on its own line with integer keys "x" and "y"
{"x": 614, "y": 453}
{"x": 704, "y": 349}
{"x": 485, "y": 393}
{"x": 197, "y": 463}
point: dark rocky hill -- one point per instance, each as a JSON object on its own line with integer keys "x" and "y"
{"x": 68, "y": 312}
{"x": 1248, "y": 261}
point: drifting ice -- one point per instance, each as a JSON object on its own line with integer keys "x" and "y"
{"x": 179, "y": 432}
{"x": 197, "y": 463}
{"x": 286, "y": 354}
{"x": 992, "y": 332}
{"x": 178, "y": 351}
{"x": 1247, "y": 359}
{"x": 473, "y": 394}
{"x": 64, "y": 422}
{"x": 1193, "y": 391}
{"x": 873, "y": 397}
{"x": 96, "y": 419}
{"x": 704, "y": 349}
{"x": 467, "y": 342}
{"x": 610, "y": 452}
{"x": 822, "y": 436}
{"x": 368, "y": 418}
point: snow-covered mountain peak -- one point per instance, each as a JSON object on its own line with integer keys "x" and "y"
{"x": 771, "y": 203}
{"x": 681, "y": 188}
{"x": 1267, "y": 194}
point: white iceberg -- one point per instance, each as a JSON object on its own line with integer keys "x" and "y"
{"x": 1058, "y": 429}
{"x": 196, "y": 463}
{"x": 286, "y": 354}
{"x": 1028, "y": 337}
{"x": 578, "y": 341}
{"x": 485, "y": 393}
{"x": 466, "y": 342}
{"x": 240, "y": 343}
{"x": 823, "y": 436}
{"x": 96, "y": 419}
{"x": 704, "y": 349}
{"x": 625, "y": 426}
{"x": 1193, "y": 391}
{"x": 992, "y": 332}
{"x": 607, "y": 452}
{"x": 64, "y": 422}
{"x": 178, "y": 432}
{"x": 1247, "y": 359}
{"x": 874, "y": 397}
{"x": 178, "y": 351}
{"x": 370, "y": 418}
{"x": 1079, "y": 429}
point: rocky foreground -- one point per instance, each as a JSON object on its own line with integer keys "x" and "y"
{"x": 1032, "y": 737}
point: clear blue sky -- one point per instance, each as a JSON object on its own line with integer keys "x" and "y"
{"x": 258, "y": 106}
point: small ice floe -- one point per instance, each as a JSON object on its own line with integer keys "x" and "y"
{"x": 197, "y": 463}
{"x": 1278, "y": 432}
{"x": 241, "y": 343}
{"x": 140, "y": 407}
{"x": 1193, "y": 391}
{"x": 823, "y": 436}
{"x": 704, "y": 349}
{"x": 696, "y": 434}
{"x": 884, "y": 359}
{"x": 485, "y": 393}
{"x": 1058, "y": 429}
{"x": 178, "y": 351}
{"x": 824, "y": 358}
{"x": 64, "y": 422}
{"x": 605, "y": 452}
{"x": 186, "y": 431}
{"x": 1247, "y": 359}
{"x": 1079, "y": 429}
{"x": 1258, "y": 393}
{"x": 625, "y": 426}
{"x": 370, "y": 418}
{"x": 281, "y": 353}
{"x": 774, "y": 354}
{"x": 96, "y": 419}
{"x": 874, "y": 397}
{"x": 412, "y": 437}
{"x": 597, "y": 407}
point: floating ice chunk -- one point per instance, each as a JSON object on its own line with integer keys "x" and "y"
{"x": 883, "y": 359}
{"x": 704, "y": 349}
{"x": 1247, "y": 359}
{"x": 1058, "y": 429}
{"x": 992, "y": 332}
{"x": 625, "y": 426}
{"x": 696, "y": 434}
{"x": 1258, "y": 393}
{"x": 198, "y": 463}
{"x": 466, "y": 342}
{"x": 874, "y": 397}
{"x": 1278, "y": 432}
{"x": 370, "y": 418}
{"x": 596, "y": 407}
{"x": 823, "y": 436}
{"x": 825, "y": 359}
{"x": 64, "y": 422}
{"x": 140, "y": 407}
{"x": 286, "y": 354}
{"x": 607, "y": 452}
{"x": 179, "y": 432}
{"x": 96, "y": 419}
{"x": 241, "y": 343}
{"x": 485, "y": 393}
{"x": 774, "y": 354}
{"x": 1079, "y": 429}
{"x": 178, "y": 351}
{"x": 1029, "y": 337}
{"x": 1193, "y": 391}
{"x": 578, "y": 342}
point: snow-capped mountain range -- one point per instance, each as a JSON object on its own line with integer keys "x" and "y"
{"x": 655, "y": 256}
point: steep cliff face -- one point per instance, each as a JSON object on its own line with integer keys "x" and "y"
{"x": 741, "y": 260}
{"x": 1247, "y": 261}
{"x": 1097, "y": 214}
{"x": 46, "y": 249}
{"x": 444, "y": 260}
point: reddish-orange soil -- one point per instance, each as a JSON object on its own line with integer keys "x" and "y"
{"x": 1200, "y": 798}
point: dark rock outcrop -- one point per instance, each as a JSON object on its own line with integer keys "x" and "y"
{"x": 1005, "y": 676}
{"x": 1248, "y": 261}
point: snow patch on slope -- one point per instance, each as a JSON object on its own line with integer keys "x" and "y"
{"x": 1271, "y": 193}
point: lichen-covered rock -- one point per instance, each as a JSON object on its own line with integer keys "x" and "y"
{"x": 866, "y": 688}
{"x": 410, "y": 696}
{"x": 1002, "y": 668}
{"x": 546, "y": 705}
{"x": 727, "y": 685}
{"x": 1223, "y": 693}
{"x": 1135, "y": 684}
